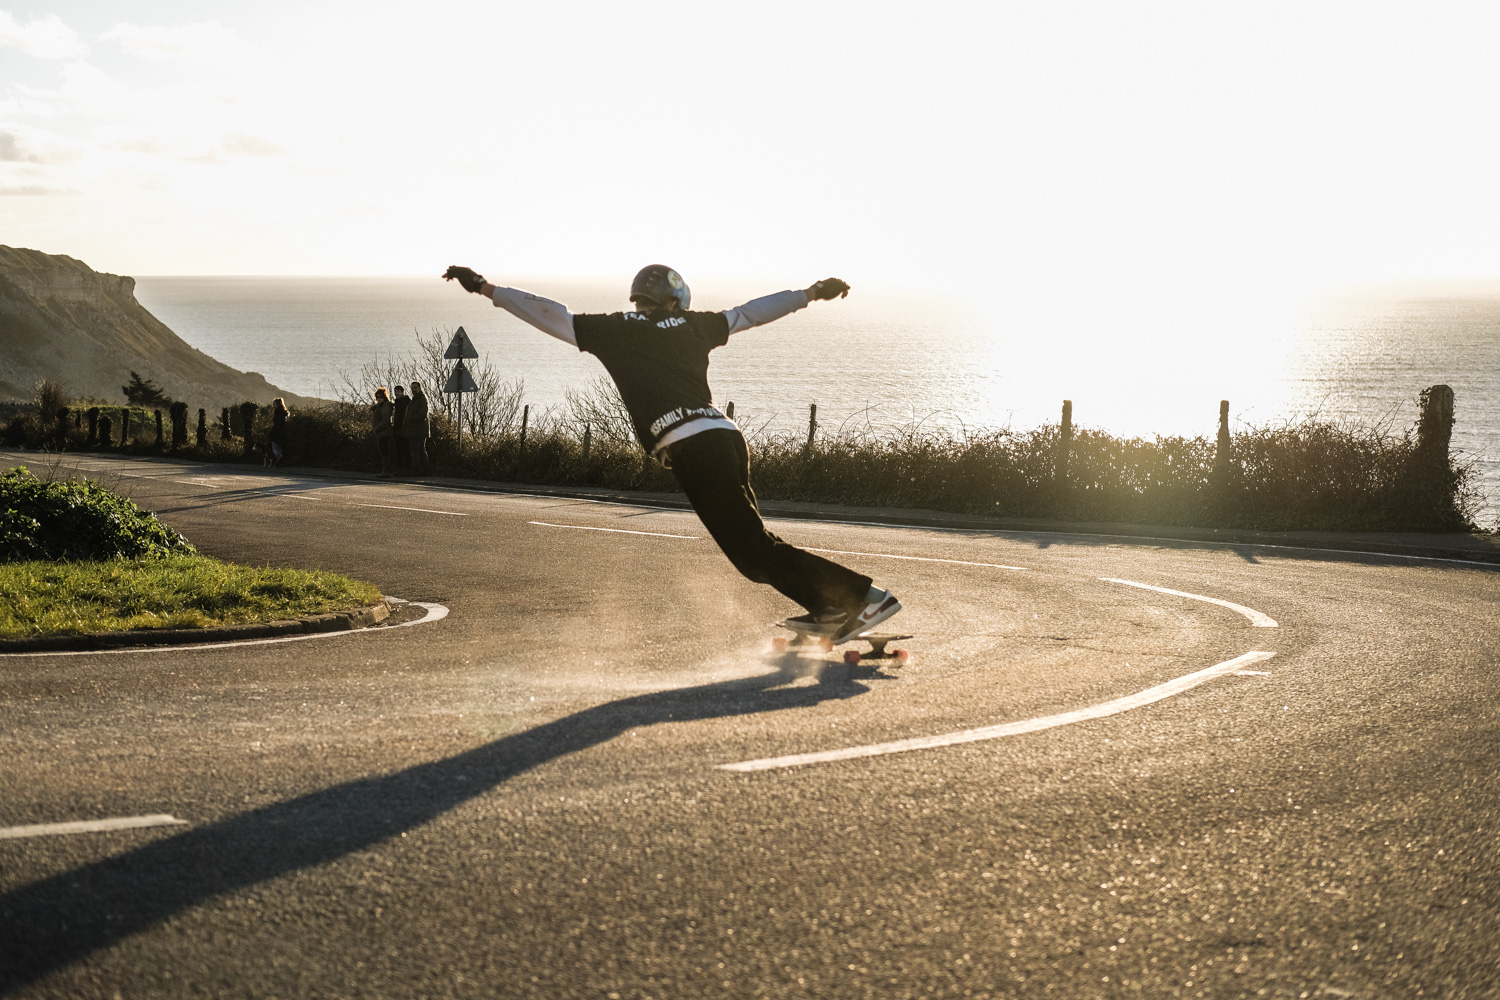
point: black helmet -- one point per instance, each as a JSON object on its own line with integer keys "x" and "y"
{"x": 658, "y": 284}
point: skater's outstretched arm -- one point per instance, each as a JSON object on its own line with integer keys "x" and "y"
{"x": 542, "y": 313}
{"x": 758, "y": 312}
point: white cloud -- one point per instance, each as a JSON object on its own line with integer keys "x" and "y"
{"x": 35, "y": 191}
{"x": 45, "y": 37}
{"x": 239, "y": 144}
{"x": 207, "y": 39}
{"x": 28, "y": 102}
{"x": 19, "y": 144}
{"x": 15, "y": 149}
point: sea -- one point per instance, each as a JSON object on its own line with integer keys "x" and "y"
{"x": 884, "y": 362}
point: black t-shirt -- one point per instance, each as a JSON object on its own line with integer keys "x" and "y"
{"x": 660, "y": 365}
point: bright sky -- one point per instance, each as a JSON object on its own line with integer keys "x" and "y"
{"x": 1130, "y": 164}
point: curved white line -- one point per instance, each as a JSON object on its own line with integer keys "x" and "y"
{"x": 435, "y": 612}
{"x": 89, "y": 826}
{"x": 891, "y": 555}
{"x": 1257, "y": 619}
{"x": 617, "y": 531}
{"x": 420, "y": 510}
{"x": 1107, "y": 708}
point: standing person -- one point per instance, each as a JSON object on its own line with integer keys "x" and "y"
{"x": 418, "y": 430}
{"x": 657, "y": 354}
{"x": 398, "y": 424}
{"x": 277, "y": 440}
{"x": 380, "y": 425}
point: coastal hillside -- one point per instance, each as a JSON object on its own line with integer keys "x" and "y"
{"x": 62, "y": 320}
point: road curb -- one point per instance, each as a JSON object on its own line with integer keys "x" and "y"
{"x": 334, "y": 621}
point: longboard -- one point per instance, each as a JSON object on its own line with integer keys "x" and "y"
{"x": 878, "y": 642}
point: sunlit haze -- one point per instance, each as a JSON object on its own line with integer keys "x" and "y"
{"x": 1160, "y": 171}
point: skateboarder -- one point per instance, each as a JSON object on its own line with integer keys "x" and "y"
{"x": 657, "y": 354}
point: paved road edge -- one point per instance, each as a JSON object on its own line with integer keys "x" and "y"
{"x": 1474, "y": 548}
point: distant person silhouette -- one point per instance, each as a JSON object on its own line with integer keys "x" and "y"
{"x": 418, "y": 430}
{"x": 385, "y": 434}
{"x": 276, "y": 440}
{"x": 657, "y": 354}
{"x": 399, "y": 406}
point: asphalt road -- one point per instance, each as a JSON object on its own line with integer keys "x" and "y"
{"x": 528, "y": 796}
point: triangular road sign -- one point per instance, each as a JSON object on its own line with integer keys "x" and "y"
{"x": 460, "y": 380}
{"x": 460, "y": 347}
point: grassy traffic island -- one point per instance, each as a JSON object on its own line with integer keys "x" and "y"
{"x": 77, "y": 558}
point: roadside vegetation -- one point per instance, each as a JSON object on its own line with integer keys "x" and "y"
{"x": 76, "y": 557}
{"x": 1303, "y": 474}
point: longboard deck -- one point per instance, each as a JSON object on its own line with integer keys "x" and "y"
{"x": 877, "y": 640}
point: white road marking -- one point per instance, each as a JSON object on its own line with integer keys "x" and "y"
{"x": 424, "y": 510}
{"x": 435, "y": 612}
{"x": 1137, "y": 700}
{"x": 890, "y": 555}
{"x": 298, "y": 496}
{"x": 88, "y": 826}
{"x": 1256, "y": 618}
{"x": 618, "y": 531}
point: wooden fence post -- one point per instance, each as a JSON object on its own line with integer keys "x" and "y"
{"x": 812, "y": 424}
{"x": 525, "y": 418}
{"x": 1064, "y": 444}
{"x": 729, "y": 409}
{"x": 1223, "y": 447}
{"x": 179, "y": 411}
{"x": 1435, "y": 427}
{"x": 587, "y": 436}
{"x": 1429, "y": 493}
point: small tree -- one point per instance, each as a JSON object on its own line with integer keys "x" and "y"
{"x": 202, "y": 427}
{"x": 224, "y": 425}
{"x": 144, "y": 392}
{"x": 49, "y": 395}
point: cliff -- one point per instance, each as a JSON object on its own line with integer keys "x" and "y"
{"x": 62, "y": 320}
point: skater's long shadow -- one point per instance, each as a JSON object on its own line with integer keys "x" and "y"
{"x": 59, "y": 920}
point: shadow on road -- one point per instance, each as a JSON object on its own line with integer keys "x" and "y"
{"x": 57, "y": 921}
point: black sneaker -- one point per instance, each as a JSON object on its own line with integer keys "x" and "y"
{"x": 860, "y": 621}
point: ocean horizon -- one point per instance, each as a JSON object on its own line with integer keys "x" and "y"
{"x": 880, "y": 362}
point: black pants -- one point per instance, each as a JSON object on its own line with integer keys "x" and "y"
{"x": 713, "y": 469}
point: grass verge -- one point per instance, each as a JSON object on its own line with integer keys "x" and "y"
{"x": 178, "y": 591}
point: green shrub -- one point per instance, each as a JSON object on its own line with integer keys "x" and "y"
{"x": 76, "y": 519}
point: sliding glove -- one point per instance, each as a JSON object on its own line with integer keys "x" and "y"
{"x": 830, "y": 288}
{"x": 466, "y": 276}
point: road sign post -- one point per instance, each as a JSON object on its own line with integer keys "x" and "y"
{"x": 461, "y": 380}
